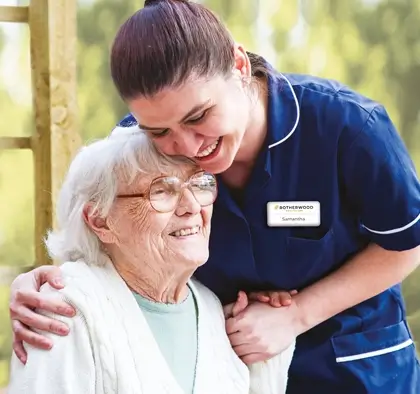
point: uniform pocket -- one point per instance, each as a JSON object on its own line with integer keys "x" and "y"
{"x": 309, "y": 258}
{"x": 379, "y": 361}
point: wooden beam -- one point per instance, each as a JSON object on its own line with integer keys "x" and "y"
{"x": 52, "y": 26}
{"x": 41, "y": 139}
{"x": 15, "y": 143}
{"x": 14, "y": 14}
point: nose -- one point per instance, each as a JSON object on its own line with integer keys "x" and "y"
{"x": 188, "y": 204}
{"x": 187, "y": 143}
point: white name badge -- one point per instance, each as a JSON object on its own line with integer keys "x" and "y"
{"x": 293, "y": 213}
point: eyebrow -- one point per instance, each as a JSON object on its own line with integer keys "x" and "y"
{"x": 191, "y": 112}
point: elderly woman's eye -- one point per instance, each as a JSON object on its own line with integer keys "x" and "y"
{"x": 159, "y": 191}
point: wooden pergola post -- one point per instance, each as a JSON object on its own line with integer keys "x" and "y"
{"x": 52, "y": 27}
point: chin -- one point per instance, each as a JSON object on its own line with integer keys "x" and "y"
{"x": 195, "y": 260}
{"x": 219, "y": 164}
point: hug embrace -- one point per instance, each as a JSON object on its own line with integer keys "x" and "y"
{"x": 171, "y": 280}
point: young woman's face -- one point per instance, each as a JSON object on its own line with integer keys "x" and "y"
{"x": 204, "y": 119}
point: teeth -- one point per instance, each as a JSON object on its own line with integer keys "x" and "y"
{"x": 209, "y": 150}
{"x": 186, "y": 231}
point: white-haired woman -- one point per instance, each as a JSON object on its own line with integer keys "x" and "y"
{"x": 133, "y": 227}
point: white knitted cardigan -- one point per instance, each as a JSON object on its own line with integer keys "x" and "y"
{"x": 110, "y": 348}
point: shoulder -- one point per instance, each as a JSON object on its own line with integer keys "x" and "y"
{"x": 339, "y": 110}
{"x": 75, "y": 275}
{"x": 317, "y": 88}
{"x": 332, "y": 97}
{"x": 206, "y": 295}
{"x": 80, "y": 285}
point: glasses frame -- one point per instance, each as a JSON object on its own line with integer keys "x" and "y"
{"x": 184, "y": 185}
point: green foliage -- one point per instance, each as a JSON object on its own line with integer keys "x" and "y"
{"x": 373, "y": 47}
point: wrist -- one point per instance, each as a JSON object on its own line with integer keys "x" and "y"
{"x": 302, "y": 318}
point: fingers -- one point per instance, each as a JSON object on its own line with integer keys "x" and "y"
{"x": 25, "y": 299}
{"x": 261, "y": 296}
{"x": 238, "y": 339}
{"x": 23, "y": 333}
{"x": 40, "y": 322}
{"x": 234, "y": 324}
{"x": 19, "y": 350}
{"x": 244, "y": 349}
{"x": 253, "y": 358}
{"x": 280, "y": 298}
{"x": 276, "y": 299}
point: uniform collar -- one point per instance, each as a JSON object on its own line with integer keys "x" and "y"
{"x": 283, "y": 109}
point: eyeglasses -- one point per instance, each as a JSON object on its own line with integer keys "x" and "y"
{"x": 165, "y": 192}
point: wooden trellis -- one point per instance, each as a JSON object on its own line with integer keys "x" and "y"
{"x": 52, "y": 29}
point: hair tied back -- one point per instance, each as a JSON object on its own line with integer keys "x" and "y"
{"x": 149, "y": 3}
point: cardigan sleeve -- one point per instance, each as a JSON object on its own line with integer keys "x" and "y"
{"x": 67, "y": 368}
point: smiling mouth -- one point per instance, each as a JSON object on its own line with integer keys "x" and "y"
{"x": 185, "y": 232}
{"x": 209, "y": 150}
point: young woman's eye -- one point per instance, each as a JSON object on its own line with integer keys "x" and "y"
{"x": 158, "y": 134}
{"x": 198, "y": 118}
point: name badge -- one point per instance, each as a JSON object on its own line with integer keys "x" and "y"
{"x": 293, "y": 213}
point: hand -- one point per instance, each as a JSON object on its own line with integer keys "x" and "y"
{"x": 25, "y": 298}
{"x": 260, "y": 332}
{"x": 275, "y": 298}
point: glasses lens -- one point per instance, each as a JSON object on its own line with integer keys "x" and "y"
{"x": 204, "y": 187}
{"x": 164, "y": 193}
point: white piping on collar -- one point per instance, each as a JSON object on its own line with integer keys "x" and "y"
{"x": 297, "y": 116}
{"x": 394, "y": 230}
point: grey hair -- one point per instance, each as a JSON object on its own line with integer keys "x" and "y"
{"x": 93, "y": 178}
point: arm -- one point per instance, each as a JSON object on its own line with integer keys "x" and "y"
{"x": 25, "y": 296}
{"x": 66, "y": 369}
{"x": 369, "y": 273}
{"x": 380, "y": 181}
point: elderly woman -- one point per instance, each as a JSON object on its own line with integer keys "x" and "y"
{"x": 133, "y": 227}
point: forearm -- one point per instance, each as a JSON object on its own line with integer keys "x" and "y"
{"x": 367, "y": 274}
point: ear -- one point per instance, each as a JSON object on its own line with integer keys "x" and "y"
{"x": 242, "y": 66}
{"x": 97, "y": 224}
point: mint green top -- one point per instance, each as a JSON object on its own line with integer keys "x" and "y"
{"x": 174, "y": 327}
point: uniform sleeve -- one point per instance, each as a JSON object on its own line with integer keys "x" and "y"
{"x": 381, "y": 184}
{"x": 67, "y": 368}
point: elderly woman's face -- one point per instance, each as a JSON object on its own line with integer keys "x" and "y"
{"x": 150, "y": 220}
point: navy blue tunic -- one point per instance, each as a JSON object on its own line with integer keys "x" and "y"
{"x": 330, "y": 144}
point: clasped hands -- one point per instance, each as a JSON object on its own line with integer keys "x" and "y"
{"x": 261, "y": 325}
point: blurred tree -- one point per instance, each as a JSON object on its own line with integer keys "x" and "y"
{"x": 99, "y": 105}
{"x": 373, "y": 47}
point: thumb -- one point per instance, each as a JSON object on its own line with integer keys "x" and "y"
{"x": 227, "y": 310}
{"x": 240, "y": 304}
{"x": 52, "y": 275}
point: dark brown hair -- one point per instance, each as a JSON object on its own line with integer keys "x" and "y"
{"x": 165, "y": 43}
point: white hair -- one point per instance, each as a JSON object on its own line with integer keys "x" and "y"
{"x": 93, "y": 176}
